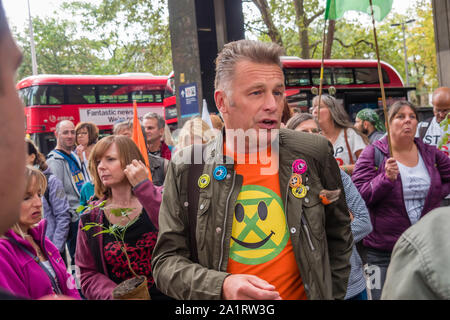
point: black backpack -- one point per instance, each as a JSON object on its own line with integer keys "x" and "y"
{"x": 423, "y": 129}
{"x": 47, "y": 191}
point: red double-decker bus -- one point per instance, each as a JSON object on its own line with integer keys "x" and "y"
{"x": 100, "y": 99}
{"x": 356, "y": 82}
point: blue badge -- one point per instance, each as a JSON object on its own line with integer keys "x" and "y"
{"x": 220, "y": 173}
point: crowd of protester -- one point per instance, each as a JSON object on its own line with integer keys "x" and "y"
{"x": 339, "y": 217}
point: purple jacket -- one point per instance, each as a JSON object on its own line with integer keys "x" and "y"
{"x": 22, "y": 276}
{"x": 384, "y": 198}
{"x": 95, "y": 284}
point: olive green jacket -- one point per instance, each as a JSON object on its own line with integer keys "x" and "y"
{"x": 420, "y": 261}
{"x": 320, "y": 235}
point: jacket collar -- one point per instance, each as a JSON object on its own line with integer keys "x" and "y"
{"x": 382, "y": 144}
{"x": 37, "y": 233}
{"x": 213, "y": 152}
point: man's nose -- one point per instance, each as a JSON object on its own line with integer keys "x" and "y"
{"x": 270, "y": 103}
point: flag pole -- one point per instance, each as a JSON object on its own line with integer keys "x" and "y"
{"x": 321, "y": 72}
{"x": 380, "y": 76}
{"x": 139, "y": 140}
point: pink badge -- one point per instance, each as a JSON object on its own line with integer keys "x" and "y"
{"x": 299, "y": 166}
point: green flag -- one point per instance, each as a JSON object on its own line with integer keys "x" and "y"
{"x": 336, "y": 8}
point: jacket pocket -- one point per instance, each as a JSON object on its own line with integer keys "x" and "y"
{"x": 314, "y": 216}
{"x": 202, "y": 221}
{"x": 307, "y": 233}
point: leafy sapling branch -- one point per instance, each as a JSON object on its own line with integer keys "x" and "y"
{"x": 116, "y": 230}
{"x": 444, "y": 125}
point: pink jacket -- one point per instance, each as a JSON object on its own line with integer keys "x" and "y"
{"x": 22, "y": 276}
{"x": 95, "y": 284}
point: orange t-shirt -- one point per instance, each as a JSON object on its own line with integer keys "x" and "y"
{"x": 260, "y": 243}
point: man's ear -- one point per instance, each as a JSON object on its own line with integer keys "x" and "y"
{"x": 365, "y": 124}
{"x": 221, "y": 101}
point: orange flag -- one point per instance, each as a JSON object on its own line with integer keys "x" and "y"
{"x": 138, "y": 138}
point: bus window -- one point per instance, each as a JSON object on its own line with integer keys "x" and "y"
{"x": 112, "y": 94}
{"x": 147, "y": 96}
{"x": 55, "y": 95}
{"x": 81, "y": 94}
{"x": 369, "y": 76}
{"x": 38, "y": 95}
{"x": 171, "y": 112}
{"x": 343, "y": 76}
{"x": 297, "y": 77}
{"x": 158, "y": 97}
{"x": 327, "y": 76}
{"x": 24, "y": 94}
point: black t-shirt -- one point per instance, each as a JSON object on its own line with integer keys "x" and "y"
{"x": 140, "y": 239}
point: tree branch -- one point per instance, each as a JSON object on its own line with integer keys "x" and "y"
{"x": 273, "y": 32}
{"x": 308, "y": 21}
{"x": 352, "y": 45}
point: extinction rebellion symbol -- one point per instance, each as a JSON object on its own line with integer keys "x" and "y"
{"x": 259, "y": 226}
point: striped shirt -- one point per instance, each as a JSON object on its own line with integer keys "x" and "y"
{"x": 361, "y": 227}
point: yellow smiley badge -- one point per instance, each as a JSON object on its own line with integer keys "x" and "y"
{"x": 295, "y": 181}
{"x": 299, "y": 192}
{"x": 203, "y": 181}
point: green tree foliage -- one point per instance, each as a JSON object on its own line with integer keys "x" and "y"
{"x": 58, "y": 49}
{"x": 353, "y": 37}
{"x": 113, "y": 37}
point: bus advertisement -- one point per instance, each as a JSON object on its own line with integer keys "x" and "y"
{"x": 102, "y": 100}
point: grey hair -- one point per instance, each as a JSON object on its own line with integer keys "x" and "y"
{"x": 297, "y": 119}
{"x": 337, "y": 111}
{"x": 243, "y": 50}
{"x": 153, "y": 115}
{"x": 338, "y": 114}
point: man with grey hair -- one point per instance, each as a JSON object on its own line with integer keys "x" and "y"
{"x": 232, "y": 229}
{"x": 66, "y": 166}
{"x": 154, "y": 130}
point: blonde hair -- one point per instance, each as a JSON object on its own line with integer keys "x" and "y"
{"x": 36, "y": 182}
{"x": 128, "y": 151}
{"x": 216, "y": 121}
{"x": 167, "y": 137}
{"x": 194, "y": 128}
